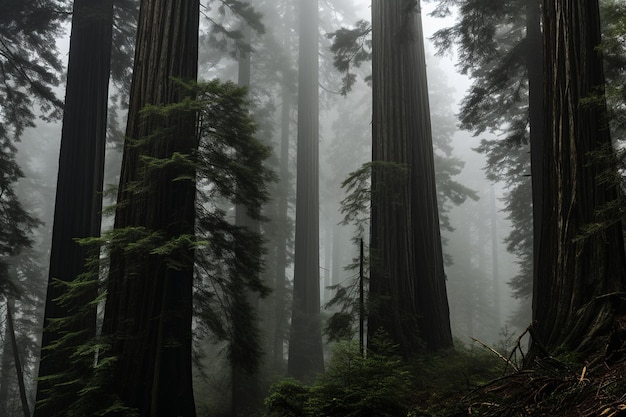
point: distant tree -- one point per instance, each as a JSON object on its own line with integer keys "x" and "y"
{"x": 305, "y": 340}
{"x": 78, "y": 203}
{"x": 579, "y": 288}
{"x": 246, "y": 389}
{"x": 407, "y": 282}
{"x": 285, "y": 225}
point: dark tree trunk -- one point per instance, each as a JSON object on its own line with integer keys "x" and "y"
{"x": 149, "y": 304}
{"x": 306, "y": 357}
{"x": 534, "y": 65}
{"x": 495, "y": 261}
{"x": 407, "y": 284}
{"x": 580, "y": 282}
{"x": 6, "y": 379}
{"x": 78, "y": 202}
{"x": 17, "y": 361}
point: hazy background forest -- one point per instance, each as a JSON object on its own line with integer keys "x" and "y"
{"x": 488, "y": 274}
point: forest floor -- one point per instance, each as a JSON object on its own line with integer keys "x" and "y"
{"x": 477, "y": 386}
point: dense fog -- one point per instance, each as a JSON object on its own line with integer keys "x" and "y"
{"x": 485, "y": 217}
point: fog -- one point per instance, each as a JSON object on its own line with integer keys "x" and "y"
{"x": 344, "y": 146}
{"x": 479, "y": 267}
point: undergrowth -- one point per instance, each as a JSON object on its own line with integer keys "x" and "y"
{"x": 472, "y": 380}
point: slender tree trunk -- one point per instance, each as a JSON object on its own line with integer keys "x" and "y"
{"x": 149, "y": 304}
{"x": 78, "y": 202}
{"x": 282, "y": 248}
{"x": 534, "y": 65}
{"x": 306, "y": 356}
{"x": 340, "y": 240}
{"x": 6, "y": 379}
{"x": 580, "y": 282}
{"x": 280, "y": 313}
{"x": 16, "y": 360}
{"x": 245, "y": 385}
{"x": 329, "y": 224}
{"x": 407, "y": 285}
{"x": 495, "y": 265}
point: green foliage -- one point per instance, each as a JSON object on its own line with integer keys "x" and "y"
{"x": 443, "y": 379}
{"x": 229, "y": 169}
{"x": 490, "y": 39}
{"x": 287, "y": 398}
{"x": 351, "y": 48}
{"x": 359, "y": 189}
{"x": 79, "y": 346}
{"x": 226, "y": 32}
{"x": 29, "y": 61}
{"x": 613, "y": 48}
{"x": 611, "y": 176}
{"x": 378, "y": 384}
{"x": 381, "y": 384}
{"x": 30, "y": 67}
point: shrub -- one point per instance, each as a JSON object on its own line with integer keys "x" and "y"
{"x": 378, "y": 384}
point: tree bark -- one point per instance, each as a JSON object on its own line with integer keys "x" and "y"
{"x": 407, "y": 284}
{"x": 149, "y": 304}
{"x": 306, "y": 357}
{"x": 78, "y": 203}
{"x": 580, "y": 282}
{"x": 534, "y": 65}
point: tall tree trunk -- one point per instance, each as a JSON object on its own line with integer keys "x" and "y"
{"x": 280, "y": 284}
{"x": 306, "y": 356}
{"x": 245, "y": 384}
{"x": 495, "y": 264}
{"x": 580, "y": 282}
{"x": 78, "y": 203}
{"x": 284, "y": 186}
{"x": 149, "y": 304}
{"x": 534, "y": 65}
{"x": 407, "y": 284}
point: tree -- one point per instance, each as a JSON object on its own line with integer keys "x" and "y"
{"x": 78, "y": 203}
{"x": 581, "y": 275}
{"x": 245, "y": 383}
{"x": 305, "y": 340}
{"x": 407, "y": 282}
{"x": 152, "y": 369}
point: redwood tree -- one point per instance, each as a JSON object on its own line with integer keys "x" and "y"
{"x": 581, "y": 272}
{"x": 78, "y": 203}
{"x": 149, "y": 303}
{"x": 407, "y": 282}
{"x": 305, "y": 340}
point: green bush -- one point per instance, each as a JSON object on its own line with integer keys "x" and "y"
{"x": 378, "y": 384}
{"x": 286, "y": 399}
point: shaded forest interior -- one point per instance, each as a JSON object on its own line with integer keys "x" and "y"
{"x": 303, "y": 208}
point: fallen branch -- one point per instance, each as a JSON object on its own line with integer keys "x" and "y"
{"x": 498, "y": 354}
